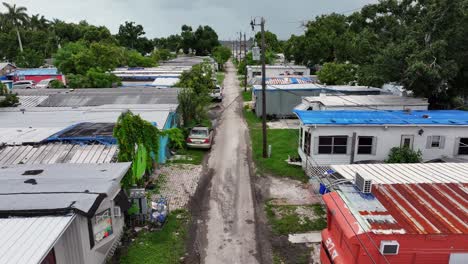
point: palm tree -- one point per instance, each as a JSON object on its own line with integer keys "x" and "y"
{"x": 17, "y": 16}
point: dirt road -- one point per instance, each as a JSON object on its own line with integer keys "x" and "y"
{"x": 225, "y": 226}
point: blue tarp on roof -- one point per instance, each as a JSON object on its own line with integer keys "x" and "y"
{"x": 440, "y": 117}
{"x": 37, "y": 71}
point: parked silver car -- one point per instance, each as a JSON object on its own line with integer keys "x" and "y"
{"x": 200, "y": 137}
{"x": 24, "y": 85}
{"x": 44, "y": 83}
{"x": 217, "y": 93}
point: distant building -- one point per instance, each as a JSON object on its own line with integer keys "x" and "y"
{"x": 36, "y": 75}
{"x": 5, "y": 69}
{"x": 277, "y": 70}
{"x": 361, "y": 102}
{"x": 284, "y": 80}
{"x": 397, "y": 213}
{"x": 61, "y": 213}
{"x": 346, "y": 137}
{"x": 282, "y": 99}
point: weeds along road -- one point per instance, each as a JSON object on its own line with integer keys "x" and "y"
{"x": 225, "y": 228}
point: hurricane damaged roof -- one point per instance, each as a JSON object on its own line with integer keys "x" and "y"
{"x": 57, "y": 188}
{"x": 57, "y": 153}
{"x": 438, "y": 208}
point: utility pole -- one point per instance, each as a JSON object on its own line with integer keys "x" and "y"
{"x": 264, "y": 128}
{"x": 233, "y": 49}
{"x": 240, "y": 46}
{"x": 245, "y": 58}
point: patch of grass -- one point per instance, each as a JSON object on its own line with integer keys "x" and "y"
{"x": 247, "y": 95}
{"x": 160, "y": 247}
{"x": 283, "y": 142}
{"x": 220, "y": 77}
{"x": 285, "y": 220}
{"x": 158, "y": 184}
{"x": 195, "y": 156}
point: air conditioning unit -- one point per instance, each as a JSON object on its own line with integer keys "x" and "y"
{"x": 363, "y": 183}
{"x": 117, "y": 211}
{"x": 389, "y": 247}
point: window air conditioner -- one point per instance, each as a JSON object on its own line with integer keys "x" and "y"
{"x": 117, "y": 211}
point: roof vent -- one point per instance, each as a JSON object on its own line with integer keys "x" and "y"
{"x": 363, "y": 183}
{"x": 33, "y": 172}
{"x": 426, "y": 116}
{"x": 389, "y": 247}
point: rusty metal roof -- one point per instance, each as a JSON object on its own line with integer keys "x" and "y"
{"x": 427, "y": 208}
{"x": 421, "y": 208}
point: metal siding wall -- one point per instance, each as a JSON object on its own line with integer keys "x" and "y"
{"x": 69, "y": 249}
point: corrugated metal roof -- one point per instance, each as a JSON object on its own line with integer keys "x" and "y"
{"x": 319, "y": 87}
{"x": 36, "y": 71}
{"x": 98, "y": 97}
{"x": 407, "y": 173}
{"x": 29, "y": 240}
{"x": 31, "y": 101}
{"x": 422, "y": 208}
{"x": 426, "y": 208}
{"x": 419, "y": 117}
{"x": 57, "y": 153}
{"x": 4, "y": 64}
{"x": 366, "y": 100}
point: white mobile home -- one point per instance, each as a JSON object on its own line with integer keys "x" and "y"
{"x": 346, "y": 137}
{"x": 361, "y": 102}
{"x": 277, "y": 70}
{"x": 61, "y": 213}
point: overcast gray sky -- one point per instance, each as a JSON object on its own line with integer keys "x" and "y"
{"x": 164, "y": 17}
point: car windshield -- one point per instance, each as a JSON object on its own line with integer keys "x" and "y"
{"x": 199, "y": 132}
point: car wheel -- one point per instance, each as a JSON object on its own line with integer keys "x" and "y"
{"x": 28, "y": 87}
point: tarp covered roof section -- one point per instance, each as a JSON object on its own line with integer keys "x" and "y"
{"x": 441, "y": 117}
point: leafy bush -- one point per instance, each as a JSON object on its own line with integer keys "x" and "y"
{"x": 9, "y": 99}
{"x": 56, "y": 84}
{"x": 135, "y": 59}
{"x": 94, "y": 78}
{"x": 404, "y": 155}
{"x": 130, "y": 131}
{"x": 176, "y": 137}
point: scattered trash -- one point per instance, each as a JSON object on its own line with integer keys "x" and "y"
{"x": 159, "y": 211}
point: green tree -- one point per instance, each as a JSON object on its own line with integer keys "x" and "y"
{"x": 129, "y": 34}
{"x": 206, "y": 40}
{"x": 187, "y": 39}
{"x": 29, "y": 59}
{"x": 271, "y": 41}
{"x": 17, "y": 16}
{"x": 194, "y": 98}
{"x": 221, "y": 54}
{"x": 337, "y": 73}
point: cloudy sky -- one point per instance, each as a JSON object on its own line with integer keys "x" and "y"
{"x": 165, "y": 17}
